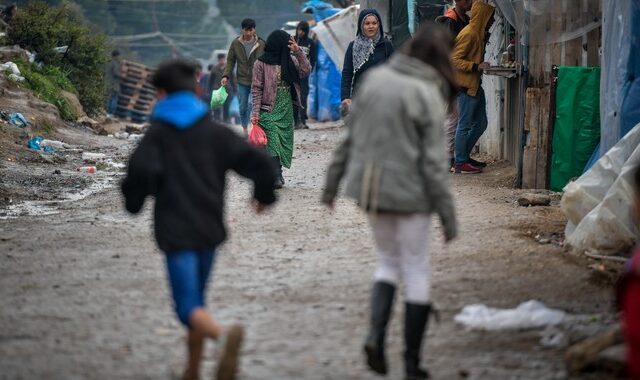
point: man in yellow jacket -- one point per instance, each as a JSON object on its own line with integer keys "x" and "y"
{"x": 467, "y": 58}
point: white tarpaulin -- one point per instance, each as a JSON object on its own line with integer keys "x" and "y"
{"x": 599, "y": 205}
{"x": 336, "y": 32}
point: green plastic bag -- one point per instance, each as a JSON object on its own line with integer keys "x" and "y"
{"x": 576, "y": 130}
{"x": 218, "y": 97}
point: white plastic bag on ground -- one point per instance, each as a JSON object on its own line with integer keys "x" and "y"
{"x": 527, "y": 315}
{"x": 10, "y": 66}
{"x": 599, "y": 204}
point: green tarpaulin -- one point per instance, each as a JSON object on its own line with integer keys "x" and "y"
{"x": 576, "y": 131}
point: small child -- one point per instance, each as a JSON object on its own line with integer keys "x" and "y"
{"x": 182, "y": 161}
{"x": 629, "y": 299}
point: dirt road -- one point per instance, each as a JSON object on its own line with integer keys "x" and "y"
{"x": 84, "y": 296}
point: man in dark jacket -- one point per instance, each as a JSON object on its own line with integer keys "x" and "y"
{"x": 244, "y": 52}
{"x": 455, "y": 19}
{"x": 182, "y": 161}
{"x": 309, "y": 48}
{"x": 113, "y": 77}
{"x": 215, "y": 77}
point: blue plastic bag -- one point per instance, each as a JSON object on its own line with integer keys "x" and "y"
{"x": 34, "y": 143}
{"x": 18, "y": 120}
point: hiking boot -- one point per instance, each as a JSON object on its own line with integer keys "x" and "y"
{"x": 477, "y": 164}
{"x": 381, "y": 302}
{"x": 299, "y": 126}
{"x": 228, "y": 363}
{"x": 466, "y": 168}
{"x": 415, "y": 324}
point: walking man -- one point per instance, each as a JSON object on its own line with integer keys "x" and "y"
{"x": 113, "y": 82}
{"x": 308, "y": 46}
{"x": 467, "y": 58}
{"x": 455, "y": 19}
{"x": 217, "y": 73}
{"x": 243, "y": 53}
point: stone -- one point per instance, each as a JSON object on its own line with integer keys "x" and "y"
{"x": 532, "y": 199}
{"x": 74, "y": 102}
{"x": 12, "y": 53}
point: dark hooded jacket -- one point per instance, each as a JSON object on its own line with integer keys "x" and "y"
{"x": 182, "y": 161}
{"x": 307, "y": 44}
{"x": 383, "y": 50}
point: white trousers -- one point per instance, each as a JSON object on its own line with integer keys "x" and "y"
{"x": 402, "y": 245}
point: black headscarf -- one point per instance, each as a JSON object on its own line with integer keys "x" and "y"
{"x": 277, "y": 52}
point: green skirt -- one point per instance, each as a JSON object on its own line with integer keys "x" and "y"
{"x": 278, "y": 126}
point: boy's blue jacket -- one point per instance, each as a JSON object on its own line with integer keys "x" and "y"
{"x": 182, "y": 161}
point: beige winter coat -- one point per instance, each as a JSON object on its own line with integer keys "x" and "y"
{"x": 392, "y": 156}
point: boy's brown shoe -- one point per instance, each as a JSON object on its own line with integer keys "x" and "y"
{"x": 230, "y": 357}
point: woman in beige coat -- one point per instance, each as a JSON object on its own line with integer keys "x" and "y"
{"x": 394, "y": 165}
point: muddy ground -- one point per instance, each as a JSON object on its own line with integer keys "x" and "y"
{"x": 84, "y": 296}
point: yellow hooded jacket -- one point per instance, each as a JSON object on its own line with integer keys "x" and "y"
{"x": 468, "y": 51}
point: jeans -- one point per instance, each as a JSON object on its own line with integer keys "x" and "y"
{"x": 188, "y": 275}
{"x": 112, "y": 105}
{"x": 472, "y": 123}
{"x": 244, "y": 96}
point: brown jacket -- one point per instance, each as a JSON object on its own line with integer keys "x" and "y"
{"x": 264, "y": 86}
{"x": 469, "y": 47}
{"x": 238, "y": 56}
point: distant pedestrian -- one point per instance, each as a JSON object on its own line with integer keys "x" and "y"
{"x": 243, "y": 53}
{"x": 276, "y": 88}
{"x": 628, "y": 297}
{"x": 309, "y": 48}
{"x": 392, "y": 162}
{"x": 370, "y": 48}
{"x": 472, "y": 106}
{"x": 181, "y": 162}
{"x": 217, "y": 72}
{"x": 455, "y": 19}
{"x": 113, "y": 77}
{"x": 205, "y": 85}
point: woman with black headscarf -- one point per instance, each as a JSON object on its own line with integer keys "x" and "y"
{"x": 275, "y": 88}
{"x": 369, "y": 49}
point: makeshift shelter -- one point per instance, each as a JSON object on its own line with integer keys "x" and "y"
{"x": 324, "y": 81}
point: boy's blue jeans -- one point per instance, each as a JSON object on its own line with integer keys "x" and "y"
{"x": 244, "y": 97}
{"x": 472, "y": 122}
{"x": 188, "y": 275}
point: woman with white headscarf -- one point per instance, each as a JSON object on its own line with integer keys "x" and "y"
{"x": 369, "y": 49}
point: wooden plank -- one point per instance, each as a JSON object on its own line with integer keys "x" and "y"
{"x": 531, "y": 123}
{"x": 573, "y": 48}
{"x": 555, "y": 31}
{"x": 544, "y": 139}
{"x": 594, "y": 13}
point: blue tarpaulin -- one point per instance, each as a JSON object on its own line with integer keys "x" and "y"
{"x": 324, "y": 81}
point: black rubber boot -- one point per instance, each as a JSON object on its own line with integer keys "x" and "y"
{"x": 381, "y": 302}
{"x": 279, "y": 180}
{"x": 415, "y": 325}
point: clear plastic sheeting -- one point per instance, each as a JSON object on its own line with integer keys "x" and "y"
{"x": 324, "y": 81}
{"x": 599, "y": 204}
{"x": 616, "y": 48}
{"x": 528, "y": 315}
{"x": 336, "y": 32}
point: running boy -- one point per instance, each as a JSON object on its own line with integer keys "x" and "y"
{"x": 182, "y": 161}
